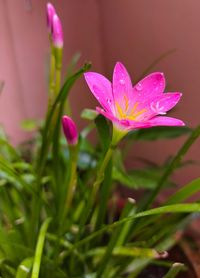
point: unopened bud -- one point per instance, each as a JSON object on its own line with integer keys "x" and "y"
{"x": 50, "y": 10}
{"x": 70, "y": 130}
{"x": 57, "y": 33}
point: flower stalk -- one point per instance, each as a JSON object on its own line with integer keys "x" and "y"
{"x": 71, "y": 187}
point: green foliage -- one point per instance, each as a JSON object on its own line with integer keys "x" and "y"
{"x": 160, "y": 132}
{"x": 91, "y": 237}
{"x": 60, "y": 215}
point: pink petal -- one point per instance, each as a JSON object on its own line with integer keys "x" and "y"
{"x": 151, "y": 86}
{"x": 158, "y": 105}
{"x": 101, "y": 88}
{"x": 164, "y": 121}
{"x": 156, "y": 121}
{"x": 122, "y": 86}
{"x": 165, "y": 102}
{"x": 106, "y": 114}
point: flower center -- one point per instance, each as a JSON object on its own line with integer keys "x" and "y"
{"x": 124, "y": 113}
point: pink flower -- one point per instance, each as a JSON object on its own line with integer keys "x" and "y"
{"x": 57, "y": 33}
{"x": 70, "y": 130}
{"x": 50, "y": 10}
{"x": 132, "y": 107}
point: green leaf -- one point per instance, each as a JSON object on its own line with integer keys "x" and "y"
{"x": 174, "y": 270}
{"x": 39, "y": 248}
{"x": 178, "y": 208}
{"x": 89, "y": 114}
{"x": 185, "y": 192}
{"x": 160, "y": 132}
{"x": 24, "y": 269}
{"x": 175, "y": 162}
{"x": 139, "y": 178}
{"x": 170, "y": 209}
{"x": 103, "y": 131}
{"x": 124, "y": 179}
{"x": 126, "y": 251}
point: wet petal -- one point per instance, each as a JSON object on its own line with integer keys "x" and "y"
{"x": 101, "y": 88}
{"x": 122, "y": 86}
{"x": 151, "y": 86}
{"x": 106, "y": 114}
{"x": 164, "y": 103}
{"x": 158, "y": 105}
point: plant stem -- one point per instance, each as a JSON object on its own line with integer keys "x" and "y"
{"x": 100, "y": 174}
{"x": 39, "y": 249}
{"x": 57, "y": 79}
{"x": 95, "y": 188}
{"x": 51, "y": 76}
{"x": 72, "y": 181}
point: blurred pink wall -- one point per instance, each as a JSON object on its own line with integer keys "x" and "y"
{"x": 105, "y": 31}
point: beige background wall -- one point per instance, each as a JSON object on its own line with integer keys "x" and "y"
{"x": 105, "y": 31}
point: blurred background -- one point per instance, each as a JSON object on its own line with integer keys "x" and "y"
{"x": 135, "y": 32}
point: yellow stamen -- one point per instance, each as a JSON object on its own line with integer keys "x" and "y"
{"x": 120, "y": 111}
{"x": 133, "y": 114}
{"x": 134, "y": 108}
{"x": 126, "y": 103}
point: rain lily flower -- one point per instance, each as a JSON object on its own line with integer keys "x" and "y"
{"x": 57, "y": 33}
{"x": 132, "y": 107}
{"x": 70, "y": 130}
{"x": 50, "y": 10}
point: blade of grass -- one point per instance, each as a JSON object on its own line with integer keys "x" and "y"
{"x": 185, "y": 192}
{"x": 178, "y": 208}
{"x": 39, "y": 248}
{"x": 174, "y": 270}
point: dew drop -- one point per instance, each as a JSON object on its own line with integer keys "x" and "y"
{"x": 139, "y": 87}
{"x": 122, "y": 81}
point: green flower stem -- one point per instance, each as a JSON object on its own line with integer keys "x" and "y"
{"x": 92, "y": 197}
{"x": 57, "y": 80}
{"x": 171, "y": 167}
{"x": 100, "y": 174}
{"x": 72, "y": 181}
{"x": 39, "y": 249}
{"x": 116, "y": 137}
{"x": 51, "y": 76}
{"x": 58, "y": 53}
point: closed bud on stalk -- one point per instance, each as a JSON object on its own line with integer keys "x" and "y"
{"x": 50, "y": 10}
{"x": 70, "y": 130}
{"x": 57, "y": 33}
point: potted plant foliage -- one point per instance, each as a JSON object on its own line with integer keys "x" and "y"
{"x": 60, "y": 214}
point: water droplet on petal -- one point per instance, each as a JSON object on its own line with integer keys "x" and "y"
{"x": 139, "y": 87}
{"x": 122, "y": 81}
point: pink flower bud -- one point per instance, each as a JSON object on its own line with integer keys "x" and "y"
{"x": 50, "y": 13}
{"x": 70, "y": 130}
{"x": 57, "y": 33}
